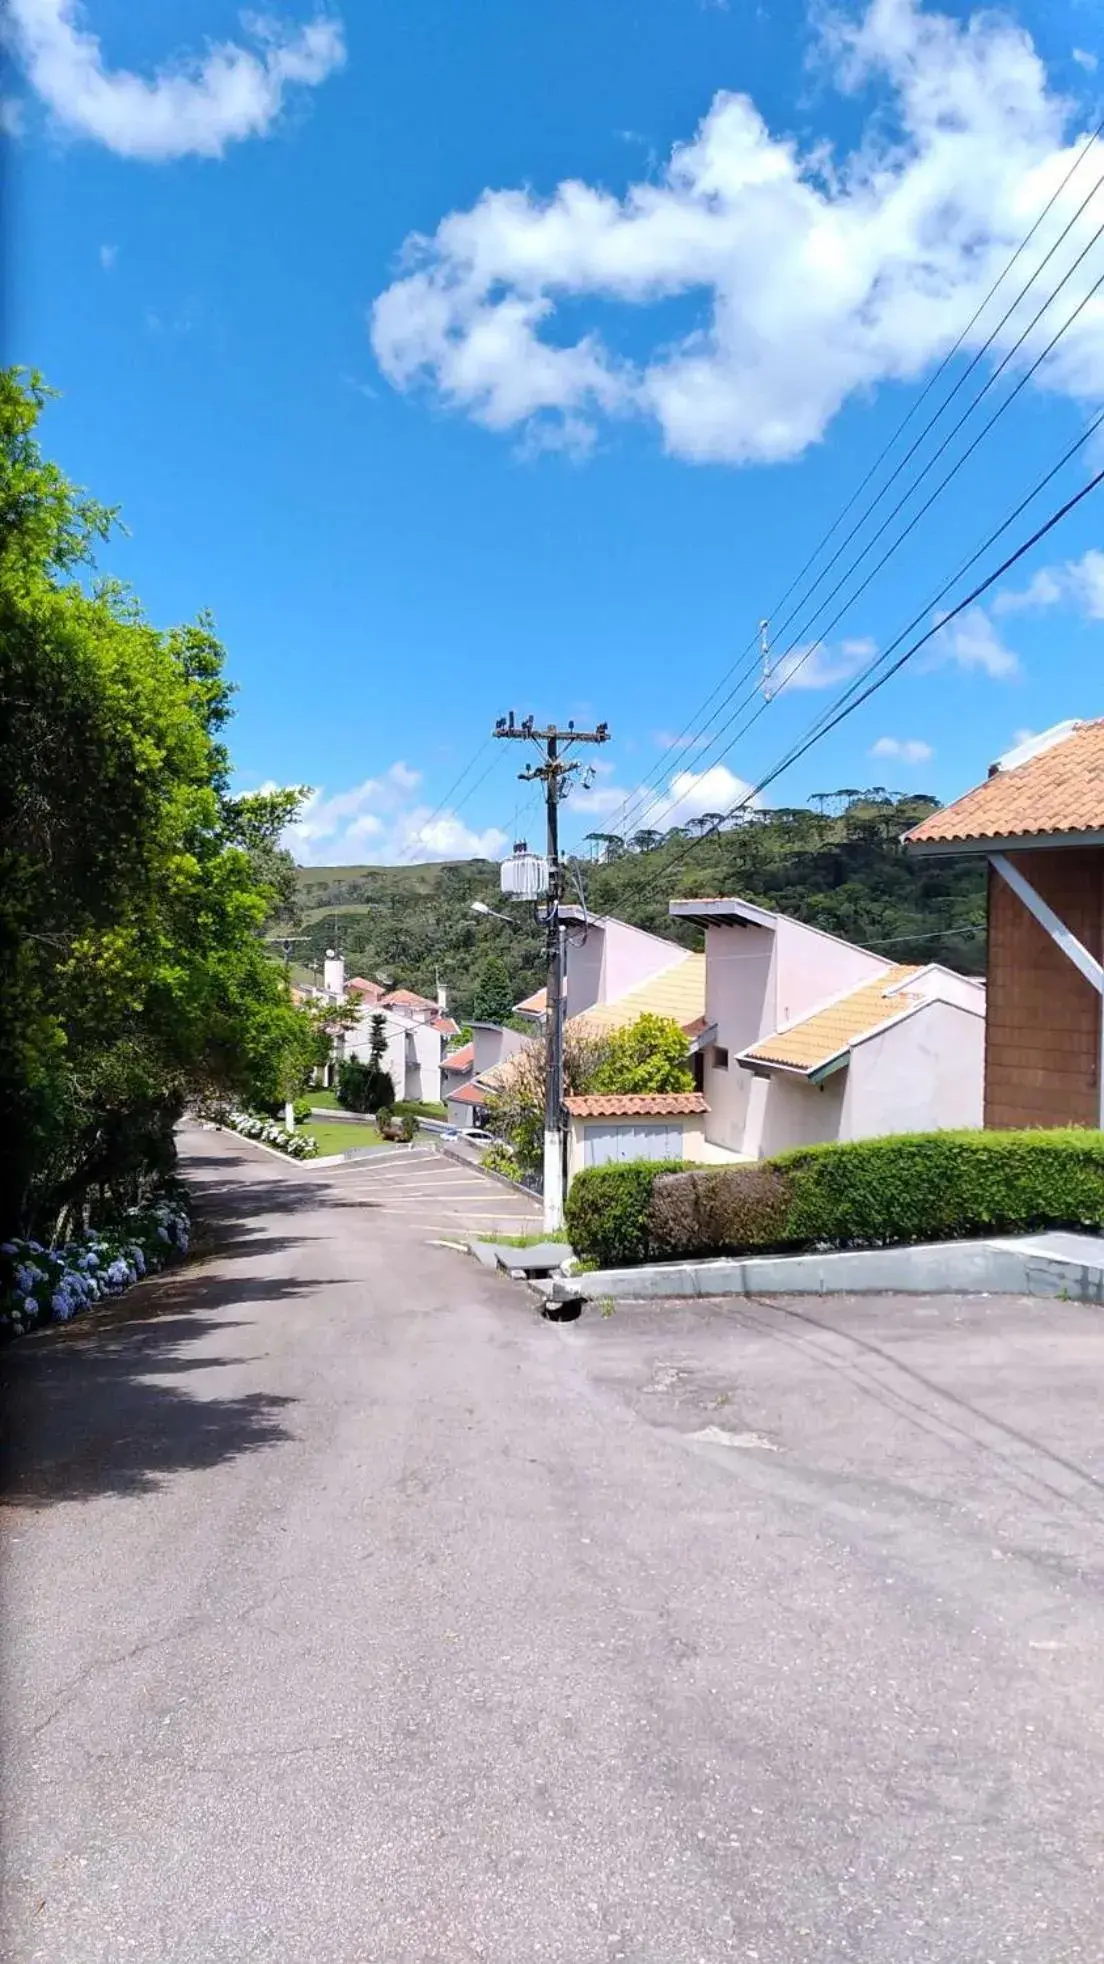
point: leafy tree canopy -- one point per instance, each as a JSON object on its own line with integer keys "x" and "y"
{"x": 648, "y": 1055}
{"x": 134, "y": 888}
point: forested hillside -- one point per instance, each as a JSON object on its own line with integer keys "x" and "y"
{"x": 836, "y": 864}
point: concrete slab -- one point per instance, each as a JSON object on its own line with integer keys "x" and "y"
{"x": 542, "y": 1260}
{"x": 1030, "y": 1265}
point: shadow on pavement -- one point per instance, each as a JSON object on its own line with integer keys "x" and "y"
{"x": 83, "y": 1417}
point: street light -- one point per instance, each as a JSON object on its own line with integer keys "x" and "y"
{"x": 481, "y": 907}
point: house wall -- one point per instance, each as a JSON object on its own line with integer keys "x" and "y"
{"x": 493, "y": 1043}
{"x": 924, "y": 1074}
{"x": 739, "y": 999}
{"x": 613, "y": 959}
{"x": 1042, "y": 1061}
{"x": 788, "y": 1111}
{"x": 810, "y": 968}
{"x": 461, "y": 1115}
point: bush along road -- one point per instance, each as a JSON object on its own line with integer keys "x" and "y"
{"x": 872, "y": 1193}
{"x": 40, "y": 1285}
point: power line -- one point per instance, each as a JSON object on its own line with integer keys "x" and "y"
{"x": 958, "y": 464}
{"x": 631, "y": 804}
{"x": 848, "y": 709}
{"x": 435, "y": 814}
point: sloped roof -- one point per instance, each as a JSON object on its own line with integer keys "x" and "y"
{"x": 636, "y": 1104}
{"x": 358, "y": 986}
{"x": 408, "y": 999}
{"x": 445, "y": 1026}
{"x": 813, "y": 1041}
{"x": 1052, "y": 786}
{"x": 678, "y": 992}
{"x": 459, "y": 1060}
{"x": 466, "y": 1094}
{"x": 534, "y": 1005}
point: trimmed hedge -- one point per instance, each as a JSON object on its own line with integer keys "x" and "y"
{"x": 607, "y": 1211}
{"x": 715, "y": 1208}
{"x": 928, "y": 1186}
{"x": 944, "y": 1186}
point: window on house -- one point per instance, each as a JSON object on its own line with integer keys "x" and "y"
{"x": 720, "y": 1057}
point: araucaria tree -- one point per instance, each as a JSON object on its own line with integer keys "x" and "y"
{"x": 134, "y": 887}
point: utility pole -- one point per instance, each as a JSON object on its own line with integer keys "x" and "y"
{"x": 554, "y": 771}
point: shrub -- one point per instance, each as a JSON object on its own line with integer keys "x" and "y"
{"x": 608, "y": 1209}
{"x": 938, "y": 1186}
{"x": 363, "y": 1087}
{"x": 499, "y": 1159}
{"x": 297, "y": 1145}
{"x": 302, "y": 1109}
{"x": 723, "y": 1209}
{"x": 50, "y": 1285}
{"x": 925, "y": 1186}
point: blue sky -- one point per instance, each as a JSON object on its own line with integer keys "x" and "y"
{"x": 469, "y": 358}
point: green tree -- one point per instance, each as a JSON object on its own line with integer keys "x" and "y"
{"x": 134, "y": 888}
{"x": 494, "y": 994}
{"x": 377, "y": 1041}
{"x": 648, "y": 1055}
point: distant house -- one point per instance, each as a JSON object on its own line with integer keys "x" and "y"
{"x": 413, "y": 1051}
{"x": 806, "y": 1038}
{"x": 1038, "y": 819}
{"x": 411, "y": 1004}
{"x": 368, "y": 992}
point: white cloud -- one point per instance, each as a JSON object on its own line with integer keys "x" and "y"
{"x": 972, "y": 642}
{"x": 903, "y": 750}
{"x": 815, "y": 667}
{"x": 193, "y": 107}
{"x": 383, "y": 820}
{"x": 691, "y": 794}
{"x": 1079, "y": 583}
{"x": 817, "y": 275}
{"x": 108, "y": 256}
{"x": 1085, "y": 60}
{"x": 12, "y": 119}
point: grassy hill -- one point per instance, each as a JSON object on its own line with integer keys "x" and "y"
{"x": 840, "y": 869}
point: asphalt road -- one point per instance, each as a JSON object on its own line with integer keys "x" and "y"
{"x": 355, "y": 1614}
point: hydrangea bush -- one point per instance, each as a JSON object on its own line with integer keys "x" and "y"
{"x": 297, "y": 1145}
{"x": 51, "y": 1285}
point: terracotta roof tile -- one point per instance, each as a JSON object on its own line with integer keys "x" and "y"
{"x": 816, "y": 1039}
{"x": 1059, "y": 789}
{"x": 372, "y": 991}
{"x": 445, "y": 1026}
{"x": 466, "y": 1094}
{"x": 459, "y": 1060}
{"x": 645, "y": 1104}
{"x": 408, "y": 999}
{"x": 678, "y": 992}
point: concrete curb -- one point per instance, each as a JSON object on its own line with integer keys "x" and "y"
{"x": 1021, "y": 1267}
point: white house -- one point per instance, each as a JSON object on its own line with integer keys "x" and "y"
{"x": 413, "y": 1053}
{"x": 809, "y": 1038}
{"x": 606, "y": 958}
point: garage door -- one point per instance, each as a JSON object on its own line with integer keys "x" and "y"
{"x": 605, "y": 1145}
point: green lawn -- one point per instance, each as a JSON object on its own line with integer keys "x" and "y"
{"x": 341, "y": 1137}
{"x": 417, "y": 1108}
{"x": 524, "y": 1240}
{"x": 325, "y": 1101}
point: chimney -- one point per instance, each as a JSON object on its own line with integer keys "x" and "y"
{"x": 333, "y": 976}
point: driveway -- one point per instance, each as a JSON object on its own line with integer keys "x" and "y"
{"x": 356, "y": 1614}
{"x": 430, "y": 1192}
